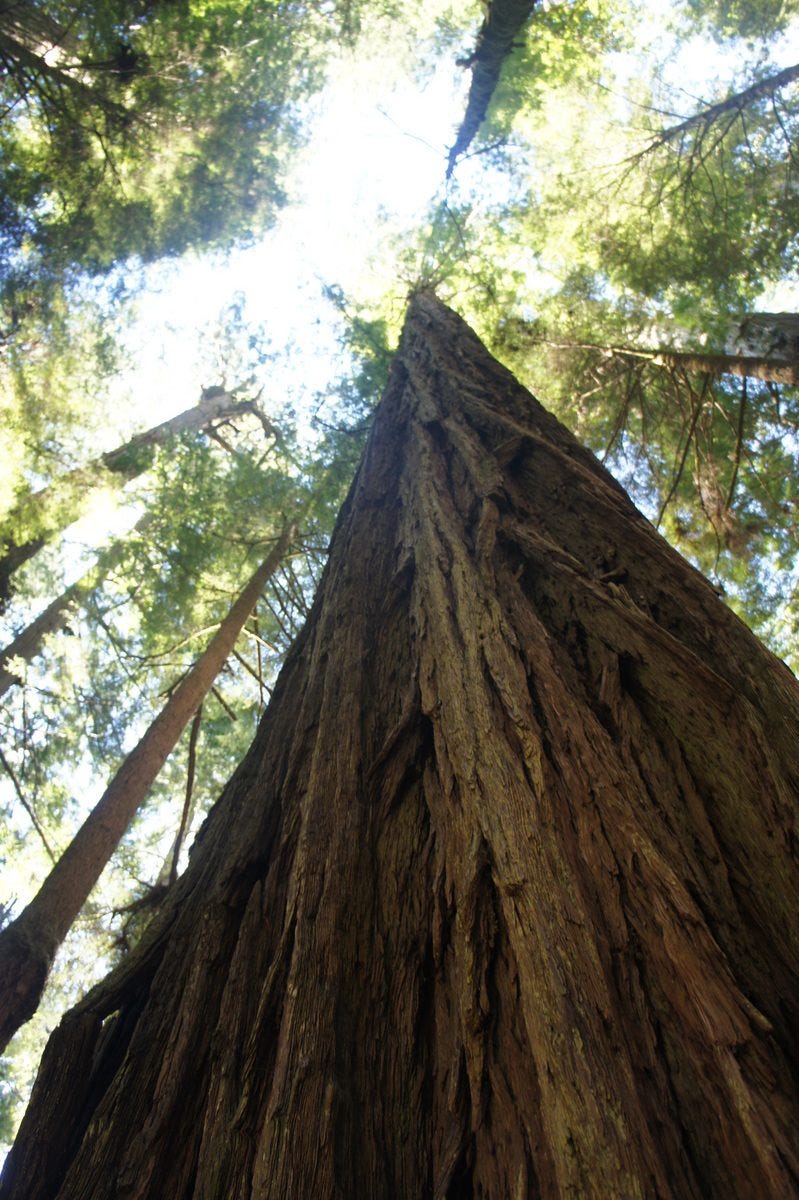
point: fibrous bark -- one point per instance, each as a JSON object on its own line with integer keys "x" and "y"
{"x": 29, "y": 943}
{"x": 502, "y": 902}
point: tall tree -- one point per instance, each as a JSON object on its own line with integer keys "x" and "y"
{"x": 29, "y": 943}
{"x": 28, "y": 643}
{"x": 39, "y": 516}
{"x": 504, "y": 21}
{"x": 703, "y": 439}
{"x": 503, "y": 900}
{"x": 776, "y": 368}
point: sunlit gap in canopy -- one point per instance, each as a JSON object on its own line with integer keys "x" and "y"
{"x": 373, "y": 163}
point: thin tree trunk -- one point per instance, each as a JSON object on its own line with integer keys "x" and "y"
{"x": 28, "y": 945}
{"x": 504, "y": 21}
{"x": 27, "y": 23}
{"x": 773, "y": 369}
{"x": 27, "y": 645}
{"x": 737, "y": 103}
{"x": 502, "y": 901}
{"x": 770, "y": 334}
{"x": 48, "y": 512}
{"x": 33, "y": 73}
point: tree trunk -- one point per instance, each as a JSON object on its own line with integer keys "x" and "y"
{"x": 774, "y": 368}
{"x": 736, "y": 104}
{"x": 775, "y": 335}
{"x": 502, "y": 901}
{"x": 48, "y": 512}
{"x": 504, "y": 21}
{"x": 28, "y": 944}
{"x": 36, "y": 30}
{"x": 27, "y": 645}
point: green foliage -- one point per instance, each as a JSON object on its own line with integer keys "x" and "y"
{"x": 751, "y": 19}
{"x": 158, "y": 128}
{"x": 58, "y": 363}
{"x": 559, "y": 42}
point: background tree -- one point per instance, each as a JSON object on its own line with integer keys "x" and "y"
{"x": 624, "y": 227}
{"x": 29, "y": 943}
{"x": 122, "y": 146}
{"x": 39, "y": 516}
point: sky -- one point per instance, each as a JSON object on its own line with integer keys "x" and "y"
{"x": 374, "y": 162}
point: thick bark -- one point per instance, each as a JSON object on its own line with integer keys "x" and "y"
{"x": 504, "y": 21}
{"x": 502, "y": 902}
{"x": 55, "y": 507}
{"x": 29, "y": 944}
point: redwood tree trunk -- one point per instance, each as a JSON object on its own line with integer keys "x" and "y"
{"x": 502, "y": 902}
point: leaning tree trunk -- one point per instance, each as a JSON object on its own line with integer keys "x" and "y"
{"x": 29, "y": 642}
{"x": 43, "y": 514}
{"x": 502, "y": 902}
{"x": 736, "y": 105}
{"x": 782, "y": 366}
{"x": 28, "y": 945}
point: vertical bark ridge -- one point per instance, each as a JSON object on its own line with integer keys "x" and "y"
{"x": 502, "y": 901}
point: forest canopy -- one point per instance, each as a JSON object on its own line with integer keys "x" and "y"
{"x": 212, "y": 213}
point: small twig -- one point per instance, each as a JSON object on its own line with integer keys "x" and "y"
{"x": 251, "y": 670}
{"x": 675, "y": 483}
{"x": 260, "y": 663}
{"x": 28, "y": 808}
{"x": 215, "y": 692}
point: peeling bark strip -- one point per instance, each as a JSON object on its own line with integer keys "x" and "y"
{"x": 502, "y": 901}
{"x": 505, "y": 20}
{"x": 28, "y": 944}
